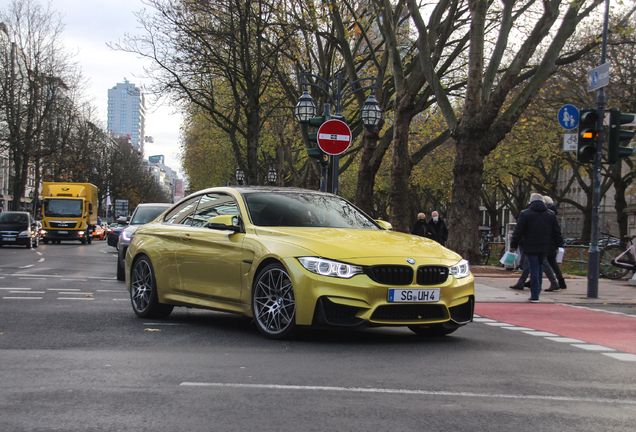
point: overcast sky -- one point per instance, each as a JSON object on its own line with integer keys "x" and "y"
{"x": 90, "y": 25}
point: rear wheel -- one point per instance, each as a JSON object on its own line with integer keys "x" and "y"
{"x": 143, "y": 291}
{"x": 609, "y": 253}
{"x": 273, "y": 303}
{"x": 432, "y": 330}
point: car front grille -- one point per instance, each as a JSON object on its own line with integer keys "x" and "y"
{"x": 408, "y": 312}
{"x": 391, "y": 274}
{"x": 9, "y": 233}
{"x": 432, "y": 275}
{"x": 57, "y": 224}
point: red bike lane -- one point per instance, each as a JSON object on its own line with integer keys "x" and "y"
{"x": 597, "y": 327}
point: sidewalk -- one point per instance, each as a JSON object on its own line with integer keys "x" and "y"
{"x": 492, "y": 285}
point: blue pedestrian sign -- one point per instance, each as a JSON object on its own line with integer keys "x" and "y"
{"x": 569, "y": 117}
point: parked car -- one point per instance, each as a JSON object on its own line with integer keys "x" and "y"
{"x": 291, "y": 258}
{"x": 99, "y": 233}
{"x": 18, "y": 228}
{"x": 113, "y": 236}
{"x": 143, "y": 214}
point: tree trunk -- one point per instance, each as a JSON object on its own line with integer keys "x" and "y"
{"x": 401, "y": 171}
{"x": 370, "y": 161}
{"x": 463, "y": 225}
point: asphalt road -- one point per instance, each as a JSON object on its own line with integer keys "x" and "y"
{"x": 74, "y": 357}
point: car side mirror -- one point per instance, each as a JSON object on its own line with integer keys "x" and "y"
{"x": 384, "y": 225}
{"x": 224, "y": 222}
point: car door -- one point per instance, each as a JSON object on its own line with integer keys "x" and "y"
{"x": 209, "y": 260}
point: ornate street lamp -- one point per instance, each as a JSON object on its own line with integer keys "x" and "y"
{"x": 240, "y": 176}
{"x": 305, "y": 108}
{"x": 371, "y": 112}
{"x": 338, "y": 90}
{"x": 272, "y": 176}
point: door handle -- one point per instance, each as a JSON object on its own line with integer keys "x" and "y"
{"x": 186, "y": 237}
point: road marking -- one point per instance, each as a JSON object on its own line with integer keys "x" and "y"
{"x": 27, "y": 266}
{"x": 115, "y": 291}
{"x": 79, "y": 280}
{"x": 496, "y": 324}
{"x": 539, "y": 333}
{"x": 15, "y": 288}
{"x": 74, "y": 293}
{"x": 62, "y": 289}
{"x": 622, "y": 356}
{"x": 22, "y": 298}
{"x": 592, "y": 347}
{"x": 75, "y": 298}
{"x": 598, "y": 310}
{"x": 41, "y": 259}
{"x": 39, "y": 253}
{"x": 57, "y": 276}
{"x": 513, "y": 327}
{"x": 31, "y": 278}
{"x": 565, "y": 339}
{"x": 483, "y": 320}
{"x": 30, "y": 292}
{"x": 160, "y": 324}
{"x": 407, "y": 392}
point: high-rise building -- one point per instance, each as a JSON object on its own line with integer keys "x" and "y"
{"x": 127, "y": 113}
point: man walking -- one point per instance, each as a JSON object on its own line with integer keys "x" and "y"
{"x": 537, "y": 231}
{"x": 420, "y": 227}
{"x": 438, "y": 229}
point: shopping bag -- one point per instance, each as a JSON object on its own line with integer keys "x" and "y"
{"x": 508, "y": 258}
{"x": 559, "y": 257}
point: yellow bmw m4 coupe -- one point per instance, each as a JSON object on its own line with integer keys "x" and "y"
{"x": 291, "y": 258}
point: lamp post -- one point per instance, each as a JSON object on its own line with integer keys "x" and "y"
{"x": 240, "y": 176}
{"x": 338, "y": 90}
{"x": 272, "y": 176}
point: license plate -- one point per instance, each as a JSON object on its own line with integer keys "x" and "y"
{"x": 62, "y": 232}
{"x": 8, "y": 238}
{"x": 398, "y": 295}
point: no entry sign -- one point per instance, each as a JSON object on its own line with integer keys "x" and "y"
{"x": 334, "y": 137}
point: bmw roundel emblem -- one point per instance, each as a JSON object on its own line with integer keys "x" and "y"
{"x": 410, "y": 260}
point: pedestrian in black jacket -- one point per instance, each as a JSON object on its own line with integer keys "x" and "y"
{"x": 438, "y": 229}
{"x": 420, "y": 227}
{"x": 538, "y": 231}
{"x": 549, "y": 203}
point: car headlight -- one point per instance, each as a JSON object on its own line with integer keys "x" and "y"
{"x": 326, "y": 267}
{"x": 460, "y": 270}
{"x": 25, "y": 233}
{"x": 126, "y": 236}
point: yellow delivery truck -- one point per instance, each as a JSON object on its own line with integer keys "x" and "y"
{"x": 69, "y": 211}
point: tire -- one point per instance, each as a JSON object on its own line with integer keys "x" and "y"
{"x": 607, "y": 255}
{"x": 121, "y": 269}
{"x": 432, "y": 330}
{"x": 143, "y": 291}
{"x": 273, "y": 303}
{"x": 29, "y": 244}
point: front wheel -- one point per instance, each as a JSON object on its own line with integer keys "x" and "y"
{"x": 610, "y": 253}
{"x": 273, "y": 303}
{"x": 143, "y": 291}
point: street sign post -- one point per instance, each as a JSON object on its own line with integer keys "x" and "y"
{"x": 334, "y": 137}
{"x": 598, "y": 77}
{"x": 568, "y": 117}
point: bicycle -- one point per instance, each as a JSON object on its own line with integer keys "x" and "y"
{"x": 617, "y": 260}
{"x": 485, "y": 247}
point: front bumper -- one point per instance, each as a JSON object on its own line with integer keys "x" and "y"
{"x": 52, "y": 234}
{"x": 360, "y": 301}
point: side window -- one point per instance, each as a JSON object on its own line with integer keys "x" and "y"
{"x": 182, "y": 214}
{"x": 214, "y": 204}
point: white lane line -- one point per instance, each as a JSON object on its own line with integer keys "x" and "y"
{"x": 497, "y": 324}
{"x": 39, "y": 253}
{"x": 74, "y": 293}
{"x": 622, "y": 356}
{"x": 565, "y": 340}
{"x": 115, "y": 291}
{"x": 32, "y": 278}
{"x": 162, "y": 324}
{"x": 517, "y": 328}
{"x": 22, "y": 298}
{"x": 406, "y": 392}
{"x": 108, "y": 280}
{"x": 121, "y": 299}
{"x": 15, "y": 289}
{"x": 56, "y": 276}
{"x": 27, "y": 266}
{"x": 79, "y": 280}
{"x": 592, "y": 347}
{"x": 62, "y": 289}
{"x": 483, "y": 320}
{"x": 25, "y": 292}
{"x": 75, "y": 298}
{"x": 539, "y": 333}
{"x": 41, "y": 260}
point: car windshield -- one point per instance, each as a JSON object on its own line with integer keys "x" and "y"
{"x": 13, "y": 218}
{"x": 63, "y": 207}
{"x": 146, "y": 214}
{"x": 306, "y": 209}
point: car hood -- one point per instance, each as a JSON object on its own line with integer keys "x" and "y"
{"x": 13, "y": 226}
{"x": 361, "y": 244}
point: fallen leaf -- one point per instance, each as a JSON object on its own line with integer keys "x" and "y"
{"x": 88, "y": 295}
{"x": 152, "y": 330}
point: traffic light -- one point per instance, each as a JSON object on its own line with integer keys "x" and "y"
{"x": 616, "y": 135}
{"x": 586, "y": 149}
